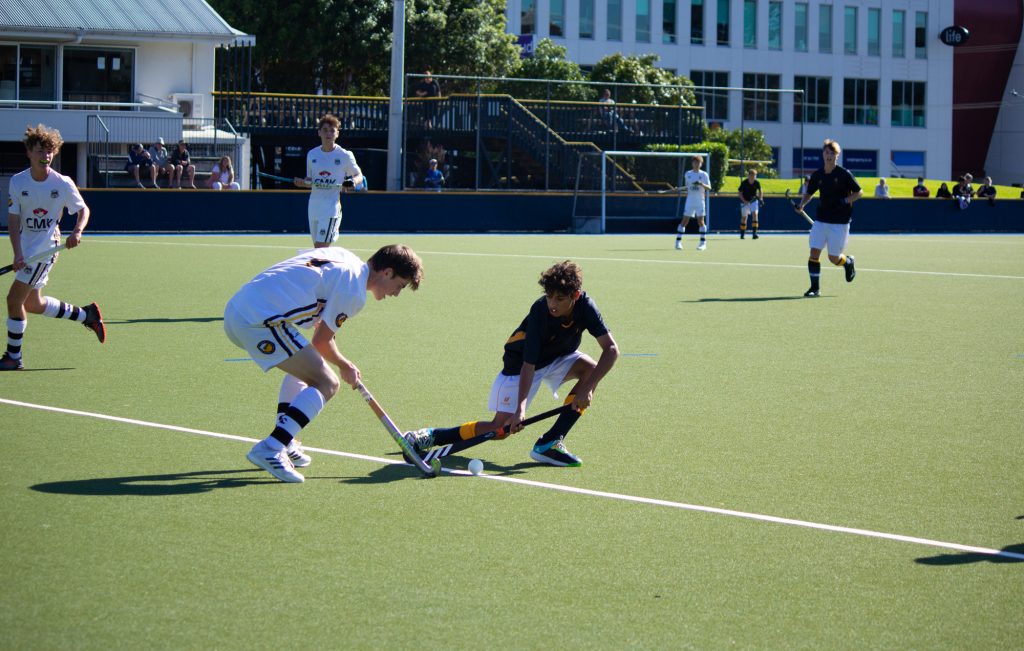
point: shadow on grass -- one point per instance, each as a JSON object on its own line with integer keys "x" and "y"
{"x": 975, "y": 557}
{"x": 182, "y": 483}
{"x": 752, "y": 299}
{"x": 196, "y": 319}
{"x": 55, "y": 368}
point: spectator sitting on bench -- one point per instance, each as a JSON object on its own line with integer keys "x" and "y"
{"x": 161, "y": 161}
{"x": 921, "y": 190}
{"x": 609, "y": 114}
{"x": 138, "y": 159}
{"x": 222, "y": 176}
{"x": 987, "y": 191}
{"x": 943, "y": 192}
{"x": 183, "y": 167}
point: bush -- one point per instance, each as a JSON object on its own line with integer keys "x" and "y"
{"x": 666, "y": 167}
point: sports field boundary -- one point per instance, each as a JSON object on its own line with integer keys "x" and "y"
{"x": 986, "y": 551}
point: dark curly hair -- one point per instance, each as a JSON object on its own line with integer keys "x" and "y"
{"x": 563, "y": 278}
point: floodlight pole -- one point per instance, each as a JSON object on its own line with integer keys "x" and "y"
{"x": 604, "y": 160}
{"x": 397, "y": 92}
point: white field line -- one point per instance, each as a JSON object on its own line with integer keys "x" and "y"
{"x": 557, "y": 487}
{"x": 104, "y": 240}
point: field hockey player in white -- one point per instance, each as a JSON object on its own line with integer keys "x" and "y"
{"x": 38, "y": 197}
{"x": 319, "y": 289}
{"x": 329, "y": 170}
{"x": 698, "y": 185}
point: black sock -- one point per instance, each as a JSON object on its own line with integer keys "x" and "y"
{"x": 814, "y": 269}
{"x": 561, "y": 428}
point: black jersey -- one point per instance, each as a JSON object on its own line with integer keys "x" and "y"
{"x": 834, "y": 188}
{"x": 541, "y": 338}
{"x": 750, "y": 191}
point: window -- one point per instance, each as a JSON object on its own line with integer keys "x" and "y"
{"x": 825, "y": 28}
{"x": 97, "y": 74}
{"x": 8, "y": 72}
{"x": 757, "y": 104}
{"x": 614, "y": 20}
{"x": 36, "y": 72}
{"x": 800, "y": 27}
{"x": 908, "y": 104}
{"x": 774, "y": 25}
{"x": 697, "y": 22}
{"x": 586, "y": 18}
{"x": 722, "y": 22}
{"x": 668, "y": 21}
{"x": 813, "y": 105}
{"x": 750, "y": 23}
{"x": 874, "y": 35}
{"x": 899, "y": 34}
{"x": 715, "y": 102}
{"x": 921, "y": 35}
{"x": 643, "y": 21}
{"x": 860, "y": 101}
{"x": 556, "y": 18}
{"x": 850, "y": 31}
{"x": 527, "y": 16}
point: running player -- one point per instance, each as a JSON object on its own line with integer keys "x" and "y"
{"x": 317, "y": 289}
{"x": 38, "y": 197}
{"x": 329, "y": 171}
{"x": 832, "y": 221}
{"x": 750, "y": 201}
{"x": 698, "y": 185}
{"x": 543, "y": 349}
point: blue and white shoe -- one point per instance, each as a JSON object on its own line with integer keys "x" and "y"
{"x": 276, "y": 463}
{"x": 421, "y": 440}
{"x": 297, "y": 455}
{"x": 555, "y": 454}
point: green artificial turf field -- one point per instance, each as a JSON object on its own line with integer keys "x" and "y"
{"x": 887, "y": 408}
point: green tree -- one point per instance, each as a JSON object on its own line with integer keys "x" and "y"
{"x": 641, "y": 70}
{"x": 548, "y": 62}
{"x": 747, "y": 144}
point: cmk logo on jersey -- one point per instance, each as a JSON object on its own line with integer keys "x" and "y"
{"x": 266, "y": 347}
{"x": 324, "y": 173}
{"x": 338, "y": 320}
{"x": 54, "y": 194}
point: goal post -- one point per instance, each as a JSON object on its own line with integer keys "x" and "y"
{"x": 630, "y": 185}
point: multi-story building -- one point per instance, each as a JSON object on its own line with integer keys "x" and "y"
{"x": 876, "y": 75}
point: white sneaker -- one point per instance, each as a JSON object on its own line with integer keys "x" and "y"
{"x": 679, "y": 245}
{"x": 276, "y": 463}
{"x": 298, "y": 456}
{"x": 702, "y": 246}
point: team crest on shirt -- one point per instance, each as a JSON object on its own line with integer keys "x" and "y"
{"x": 24, "y": 193}
{"x": 54, "y": 194}
{"x": 266, "y": 347}
{"x": 338, "y": 320}
{"x": 337, "y": 161}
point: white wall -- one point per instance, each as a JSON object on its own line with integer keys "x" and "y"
{"x": 1004, "y": 162}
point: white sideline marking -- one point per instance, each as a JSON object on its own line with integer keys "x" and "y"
{"x": 557, "y": 487}
{"x": 591, "y": 259}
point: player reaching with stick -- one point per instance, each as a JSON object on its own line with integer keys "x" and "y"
{"x": 698, "y": 185}
{"x": 543, "y": 349}
{"x": 38, "y": 197}
{"x": 831, "y": 226}
{"x": 329, "y": 170}
{"x": 319, "y": 289}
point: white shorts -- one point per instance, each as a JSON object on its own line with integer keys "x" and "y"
{"x": 324, "y": 227}
{"x": 747, "y": 209}
{"x": 36, "y": 275}
{"x": 834, "y": 236}
{"x": 694, "y": 207}
{"x": 505, "y": 390}
{"x": 267, "y": 345}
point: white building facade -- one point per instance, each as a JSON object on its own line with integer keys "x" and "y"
{"x": 875, "y": 74}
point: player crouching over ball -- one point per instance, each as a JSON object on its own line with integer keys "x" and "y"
{"x": 318, "y": 289}
{"x": 543, "y": 349}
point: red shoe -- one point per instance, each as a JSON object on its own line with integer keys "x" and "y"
{"x": 94, "y": 321}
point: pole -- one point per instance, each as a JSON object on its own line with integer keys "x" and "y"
{"x": 395, "y": 103}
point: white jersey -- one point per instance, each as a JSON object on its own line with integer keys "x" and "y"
{"x": 328, "y": 283}
{"x": 40, "y": 205}
{"x": 694, "y": 179}
{"x": 327, "y": 171}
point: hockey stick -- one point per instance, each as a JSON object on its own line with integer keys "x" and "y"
{"x": 459, "y": 446}
{"x": 796, "y": 207}
{"x": 432, "y": 470}
{"x": 276, "y": 178}
{"x": 35, "y": 258}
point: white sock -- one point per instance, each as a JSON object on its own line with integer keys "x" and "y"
{"x": 57, "y": 309}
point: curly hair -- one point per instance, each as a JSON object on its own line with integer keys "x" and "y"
{"x": 563, "y": 278}
{"x": 42, "y": 135}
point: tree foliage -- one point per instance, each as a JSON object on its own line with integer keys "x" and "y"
{"x": 548, "y": 62}
{"x": 641, "y": 70}
{"x": 747, "y": 144}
